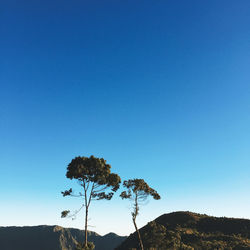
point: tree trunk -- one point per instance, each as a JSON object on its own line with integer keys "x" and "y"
{"x": 86, "y": 227}
{"x": 86, "y": 215}
{"x": 139, "y": 235}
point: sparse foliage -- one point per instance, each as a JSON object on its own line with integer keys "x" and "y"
{"x": 96, "y": 181}
{"x": 138, "y": 191}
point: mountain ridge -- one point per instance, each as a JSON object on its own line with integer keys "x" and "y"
{"x": 176, "y": 230}
{"x": 188, "y": 230}
{"x": 52, "y": 237}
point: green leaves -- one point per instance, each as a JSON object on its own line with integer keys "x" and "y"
{"x": 139, "y": 188}
{"x": 126, "y": 194}
{"x": 103, "y": 195}
{"x": 114, "y": 181}
{"x": 64, "y": 213}
{"x": 94, "y": 170}
{"x": 67, "y": 192}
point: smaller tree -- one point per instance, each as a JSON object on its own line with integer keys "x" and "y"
{"x": 138, "y": 191}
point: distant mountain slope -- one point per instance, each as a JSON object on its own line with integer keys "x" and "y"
{"x": 186, "y": 230}
{"x": 52, "y": 238}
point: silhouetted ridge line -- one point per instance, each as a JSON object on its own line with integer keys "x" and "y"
{"x": 52, "y": 238}
{"x": 187, "y": 230}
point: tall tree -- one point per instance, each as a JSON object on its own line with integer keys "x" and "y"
{"x": 96, "y": 181}
{"x": 138, "y": 191}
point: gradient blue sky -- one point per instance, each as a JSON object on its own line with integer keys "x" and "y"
{"x": 160, "y": 89}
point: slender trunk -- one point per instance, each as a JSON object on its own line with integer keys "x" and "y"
{"x": 87, "y": 203}
{"x": 139, "y": 235}
{"x": 86, "y": 216}
{"x": 86, "y": 227}
{"x": 136, "y": 209}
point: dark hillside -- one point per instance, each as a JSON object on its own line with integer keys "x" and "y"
{"x": 52, "y": 238}
{"x": 186, "y": 230}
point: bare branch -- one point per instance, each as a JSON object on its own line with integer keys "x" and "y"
{"x": 73, "y": 216}
{"x": 100, "y": 190}
{"x": 91, "y": 194}
{"x": 87, "y": 186}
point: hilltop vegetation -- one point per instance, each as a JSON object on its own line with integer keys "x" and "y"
{"x": 186, "y": 230}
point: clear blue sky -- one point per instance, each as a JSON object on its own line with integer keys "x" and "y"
{"x": 160, "y": 89}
